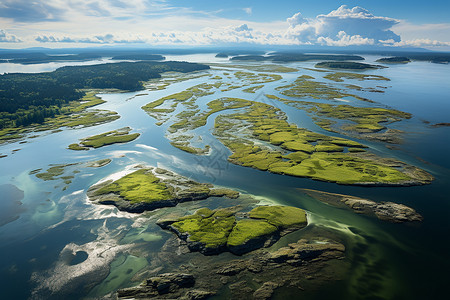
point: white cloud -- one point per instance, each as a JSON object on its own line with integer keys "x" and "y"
{"x": 99, "y": 39}
{"x": 243, "y": 27}
{"x": 8, "y": 38}
{"x": 155, "y": 22}
{"x": 423, "y": 43}
{"x": 343, "y": 39}
{"x": 341, "y": 27}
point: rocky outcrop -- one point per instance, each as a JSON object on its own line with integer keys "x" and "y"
{"x": 388, "y": 211}
{"x": 309, "y": 262}
{"x": 169, "y": 283}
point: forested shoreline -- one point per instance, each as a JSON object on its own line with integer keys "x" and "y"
{"x": 27, "y": 98}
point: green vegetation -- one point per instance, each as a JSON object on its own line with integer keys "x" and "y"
{"x": 282, "y": 217}
{"x": 305, "y": 87}
{"x": 152, "y": 188}
{"x": 346, "y": 65}
{"x": 253, "y": 89}
{"x": 56, "y": 172}
{"x": 208, "y": 227}
{"x": 27, "y": 98}
{"x": 339, "y": 75}
{"x": 108, "y": 138}
{"x": 313, "y": 155}
{"x": 71, "y": 115}
{"x": 249, "y": 229}
{"x": 215, "y": 231}
{"x": 353, "y": 119}
{"x": 139, "y": 186}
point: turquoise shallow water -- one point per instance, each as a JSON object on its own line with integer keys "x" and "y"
{"x": 43, "y": 244}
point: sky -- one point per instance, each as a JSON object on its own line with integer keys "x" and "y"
{"x": 182, "y": 23}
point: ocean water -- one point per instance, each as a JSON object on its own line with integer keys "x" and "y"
{"x": 54, "y": 243}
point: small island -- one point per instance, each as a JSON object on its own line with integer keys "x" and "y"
{"x": 108, "y": 138}
{"x": 387, "y": 211}
{"x": 139, "y": 57}
{"x": 150, "y": 188}
{"x": 347, "y": 65}
{"x": 394, "y": 60}
{"x": 221, "y": 55}
{"x": 215, "y": 231}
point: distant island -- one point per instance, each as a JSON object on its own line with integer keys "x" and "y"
{"x": 139, "y": 57}
{"x": 394, "y": 60}
{"x": 294, "y": 57}
{"x": 41, "y": 58}
{"x": 221, "y": 55}
{"x": 346, "y": 65}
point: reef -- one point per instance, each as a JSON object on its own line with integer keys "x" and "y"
{"x": 305, "y": 264}
{"x": 387, "y": 211}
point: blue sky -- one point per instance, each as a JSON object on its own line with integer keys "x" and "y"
{"x": 81, "y": 23}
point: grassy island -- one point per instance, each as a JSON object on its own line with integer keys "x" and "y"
{"x": 152, "y": 188}
{"x": 219, "y": 230}
{"x": 305, "y": 87}
{"x": 299, "y": 152}
{"x": 108, "y": 138}
{"x": 352, "y": 118}
{"x": 346, "y": 65}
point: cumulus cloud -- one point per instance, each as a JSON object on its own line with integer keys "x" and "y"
{"x": 343, "y": 39}
{"x": 343, "y": 26}
{"x": 99, "y": 39}
{"x": 8, "y": 38}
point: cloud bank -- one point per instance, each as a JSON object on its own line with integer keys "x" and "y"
{"x": 343, "y": 27}
{"x": 155, "y": 22}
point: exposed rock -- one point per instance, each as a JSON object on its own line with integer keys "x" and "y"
{"x": 441, "y": 125}
{"x": 265, "y": 291}
{"x": 197, "y": 295}
{"x": 304, "y": 250}
{"x": 169, "y": 283}
{"x": 388, "y": 211}
{"x": 309, "y": 263}
{"x": 233, "y": 268}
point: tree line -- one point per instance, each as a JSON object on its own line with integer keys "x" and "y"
{"x": 27, "y": 98}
